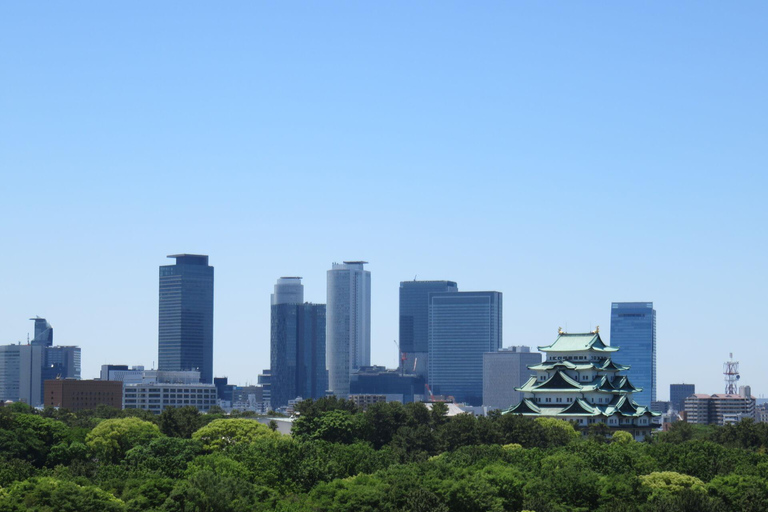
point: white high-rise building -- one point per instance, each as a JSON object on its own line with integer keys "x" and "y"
{"x": 348, "y": 323}
{"x": 288, "y": 290}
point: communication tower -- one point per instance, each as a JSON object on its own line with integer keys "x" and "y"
{"x": 731, "y": 372}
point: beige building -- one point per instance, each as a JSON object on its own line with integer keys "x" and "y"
{"x": 718, "y": 409}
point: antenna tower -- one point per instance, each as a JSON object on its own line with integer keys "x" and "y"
{"x": 731, "y": 372}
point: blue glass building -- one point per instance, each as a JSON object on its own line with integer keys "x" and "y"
{"x": 633, "y": 330}
{"x": 185, "y": 324}
{"x": 297, "y": 352}
{"x": 414, "y": 321}
{"x": 462, "y": 327}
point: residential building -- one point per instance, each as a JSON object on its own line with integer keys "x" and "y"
{"x": 505, "y": 370}
{"x": 414, "y": 322}
{"x": 185, "y": 326}
{"x": 578, "y": 381}
{"x": 718, "y": 409}
{"x": 348, "y": 327}
{"x": 77, "y": 395}
{"x": 462, "y": 327}
{"x": 633, "y": 330}
{"x": 678, "y": 393}
{"x": 395, "y": 385}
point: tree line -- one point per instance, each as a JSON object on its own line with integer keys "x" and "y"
{"x": 389, "y": 457}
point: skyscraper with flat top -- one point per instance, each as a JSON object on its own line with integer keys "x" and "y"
{"x": 633, "y": 330}
{"x": 348, "y": 327}
{"x": 414, "y": 322}
{"x": 185, "y": 325}
{"x": 462, "y": 327}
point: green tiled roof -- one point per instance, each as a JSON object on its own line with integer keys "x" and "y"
{"x": 525, "y": 407}
{"x": 560, "y": 382}
{"x": 567, "y": 342}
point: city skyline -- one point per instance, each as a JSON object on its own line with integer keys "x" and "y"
{"x": 568, "y": 155}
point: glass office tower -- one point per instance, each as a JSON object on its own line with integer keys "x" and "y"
{"x": 348, "y": 331}
{"x": 414, "y": 322}
{"x": 633, "y": 330}
{"x": 185, "y": 326}
{"x": 678, "y": 393}
{"x": 462, "y": 327}
{"x": 297, "y": 345}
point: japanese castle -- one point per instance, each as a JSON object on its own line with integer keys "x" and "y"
{"x": 578, "y": 381}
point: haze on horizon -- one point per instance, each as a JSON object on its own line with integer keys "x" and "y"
{"x": 567, "y": 154}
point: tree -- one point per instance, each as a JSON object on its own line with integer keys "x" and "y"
{"x": 662, "y": 483}
{"x": 622, "y": 437}
{"x": 557, "y": 432}
{"x": 222, "y": 433}
{"x": 181, "y": 421}
{"x": 111, "y": 439}
{"x": 48, "y": 494}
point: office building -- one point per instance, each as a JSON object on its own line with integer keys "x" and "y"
{"x": 43, "y": 332}
{"x": 77, "y": 395}
{"x": 122, "y": 373}
{"x": 678, "y": 393}
{"x": 633, "y": 330}
{"x": 348, "y": 328}
{"x": 264, "y": 379}
{"x": 718, "y": 409}
{"x": 288, "y": 290}
{"x": 462, "y": 327}
{"x": 505, "y": 370}
{"x": 395, "y": 385}
{"x": 185, "y": 326}
{"x": 414, "y": 322}
{"x": 157, "y": 396}
{"x": 297, "y": 345}
{"x": 21, "y": 370}
{"x": 579, "y": 381}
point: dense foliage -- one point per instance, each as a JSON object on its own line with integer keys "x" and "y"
{"x": 391, "y": 457}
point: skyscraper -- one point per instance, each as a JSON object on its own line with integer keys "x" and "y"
{"x": 414, "y": 321}
{"x": 43, "y": 332}
{"x": 185, "y": 326}
{"x": 297, "y": 344}
{"x": 462, "y": 327}
{"x": 348, "y": 339}
{"x": 633, "y": 330}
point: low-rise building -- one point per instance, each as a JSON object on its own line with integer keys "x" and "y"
{"x": 363, "y": 401}
{"x": 77, "y": 395}
{"x": 157, "y": 396}
{"x": 718, "y": 409}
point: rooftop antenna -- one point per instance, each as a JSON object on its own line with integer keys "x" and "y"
{"x": 731, "y": 373}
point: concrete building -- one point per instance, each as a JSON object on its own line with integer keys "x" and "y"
{"x": 288, "y": 290}
{"x": 122, "y": 373}
{"x": 21, "y": 371}
{"x": 718, "y": 409}
{"x": 185, "y": 325}
{"x": 77, "y": 395}
{"x": 395, "y": 385}
{"x": 462, "y": 327}
{"x": 348, "y": 325}
{"x": 363, "y": 401}
{"x": 414, "y": 322}
{"x": 157, "y": 396}
{"x": 505, "y": 370}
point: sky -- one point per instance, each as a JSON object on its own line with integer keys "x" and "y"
{"x": 567, "y": 154}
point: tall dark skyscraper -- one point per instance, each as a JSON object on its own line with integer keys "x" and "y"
{"x": 297, "y": 345}
{"x": 633, "y": 330}
{"x": 185, "y": 327}
{"x": 462, "y": 327}
{"x": 414, "y": 321}
{"x": 678, "y": 393}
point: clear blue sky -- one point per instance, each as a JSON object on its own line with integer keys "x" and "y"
{"x": 567, "y": 154}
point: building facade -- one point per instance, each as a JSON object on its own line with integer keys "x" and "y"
{"x": 348, "y": 326}
{"x": 633, "y": 330}
{"x": 297, "y": 348}
{"x": 718, "y": 409}
{"x": 394, "y": 384}
{"x": 678, "y": 393}
{"x": 288, "y": 290}
{"x": 505, "y": 370}
{"x": 77, "y": 395}
{"x": 157, "y": 396}
{"x": 185, "y": 325}
{"x": 462, "y": 327}
{"x": 21, "y": 371}
{"x": 414, "y": 322}
{"x": 578, "y": 381}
